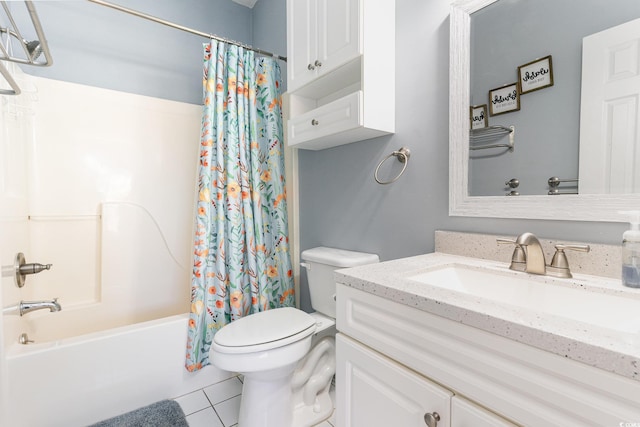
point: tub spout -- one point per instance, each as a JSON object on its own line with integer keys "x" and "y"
{"x": 29, "y": 306}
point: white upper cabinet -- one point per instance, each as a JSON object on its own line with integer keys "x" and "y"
{"x": 340, "y": 71}
{"x": 322, "y": 35}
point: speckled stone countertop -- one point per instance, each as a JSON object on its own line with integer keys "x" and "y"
{"x": 614, "y": 349}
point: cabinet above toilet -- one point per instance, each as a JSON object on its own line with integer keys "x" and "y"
{"x": 340, "y": 71}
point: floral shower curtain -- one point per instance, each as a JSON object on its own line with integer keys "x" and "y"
{"x": 241, "y": 263}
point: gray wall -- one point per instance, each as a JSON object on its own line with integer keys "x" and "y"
{"x": 99, "y": 46}
{"x": 341, "y": 205}
{"x": 270, "y": 30}
{"x": 506, "y": 35}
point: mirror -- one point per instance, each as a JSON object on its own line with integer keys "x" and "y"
{"x": 548, "y": 35}
{"x": 588, "y": 207}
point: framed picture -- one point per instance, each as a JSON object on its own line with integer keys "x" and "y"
{"x": 535, "y": 75}
{"x": 504, "y": 99}
{"x": 478, "y": 116}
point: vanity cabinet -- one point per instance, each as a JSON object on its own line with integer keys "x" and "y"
{"x": 340, "y": 71}
{"x": 377, "y": 391}
{"x": 393, "y": 357}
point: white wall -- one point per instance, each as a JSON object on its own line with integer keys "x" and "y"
{"x": 101, "y": 184}
{"x": 110, "y": 204}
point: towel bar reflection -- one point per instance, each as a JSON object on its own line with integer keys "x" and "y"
{"x": 402, "y": 155}
{"x": 492, "y": 133}
{"x": 554, "y": 183}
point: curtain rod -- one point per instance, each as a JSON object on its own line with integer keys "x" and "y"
{"x": 186, "y": 29}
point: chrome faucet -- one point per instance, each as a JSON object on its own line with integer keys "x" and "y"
{"x": 28, "y": 306}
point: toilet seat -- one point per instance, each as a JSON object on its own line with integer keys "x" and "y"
{"x": 264, "y": 331}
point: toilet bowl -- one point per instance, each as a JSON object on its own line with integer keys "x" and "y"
{"x": 311, "y": 384}
{"x": 265, "y": 348}
{"x": 286, "y": 382}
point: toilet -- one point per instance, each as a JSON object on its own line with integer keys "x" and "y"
{"x": 287, "y": 356}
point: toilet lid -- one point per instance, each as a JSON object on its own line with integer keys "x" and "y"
{"x": 264, "y": 327}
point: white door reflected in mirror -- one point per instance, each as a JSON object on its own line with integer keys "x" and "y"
{"x": 609, "y": 111}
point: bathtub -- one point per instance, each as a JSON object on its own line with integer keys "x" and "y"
{"x": 80, "y": 380}
{"x": 109, "y": 351}
{"x": 114, "y": 348}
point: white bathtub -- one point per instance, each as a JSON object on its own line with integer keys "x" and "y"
{"x": 109, "y": 351}
{"x": 81, "y": 380}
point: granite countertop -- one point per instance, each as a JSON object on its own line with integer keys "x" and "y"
{"x": 613, "y": 350}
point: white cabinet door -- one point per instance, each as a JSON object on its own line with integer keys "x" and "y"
{"x": 467, "y": 414}
{"x": 375, "y": 391}
{"x": 338, "y": 33}
{"x": 301, "y": 42}
{"x": 322, "y": 35}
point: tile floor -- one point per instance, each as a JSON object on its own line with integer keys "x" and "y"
{"x": 218, "y": 404}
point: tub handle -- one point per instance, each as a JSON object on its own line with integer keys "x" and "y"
{"x": 22, "y": 268}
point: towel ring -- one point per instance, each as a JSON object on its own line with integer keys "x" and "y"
{"x": 403, "y": 155}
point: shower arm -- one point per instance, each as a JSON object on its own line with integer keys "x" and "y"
{"x": 32, "y": 49}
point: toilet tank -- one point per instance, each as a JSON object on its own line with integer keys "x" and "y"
{"x": 320, "y": 263}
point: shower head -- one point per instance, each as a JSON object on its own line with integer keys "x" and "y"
{"x": 33, "y": 47}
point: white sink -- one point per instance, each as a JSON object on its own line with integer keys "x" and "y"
{"x": 541, "y": 294}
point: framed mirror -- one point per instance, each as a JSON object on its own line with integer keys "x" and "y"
{"x": 576, "y": 207}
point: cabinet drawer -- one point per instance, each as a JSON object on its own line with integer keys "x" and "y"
{"x": 333, "y": 118}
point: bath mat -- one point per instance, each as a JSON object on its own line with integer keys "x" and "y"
{"x": 166, "y": 413}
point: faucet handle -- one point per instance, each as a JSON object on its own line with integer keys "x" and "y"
{"x": 518, "y": 258}
{"x": 559, "y": 266}
{"x": 579, "y": 248}
{"x": 501, "y": 241}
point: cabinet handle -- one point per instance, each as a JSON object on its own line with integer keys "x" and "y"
{"x": 431, "y": 420}
{"x": 317, "y": 63}
{"x": 310, "y": 67}
{"x": 314, "y": 122}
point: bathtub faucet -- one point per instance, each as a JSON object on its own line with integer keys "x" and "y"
{"x": 28, "y": 306}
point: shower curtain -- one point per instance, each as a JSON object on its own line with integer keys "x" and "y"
{"x": 241, "y": 246}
